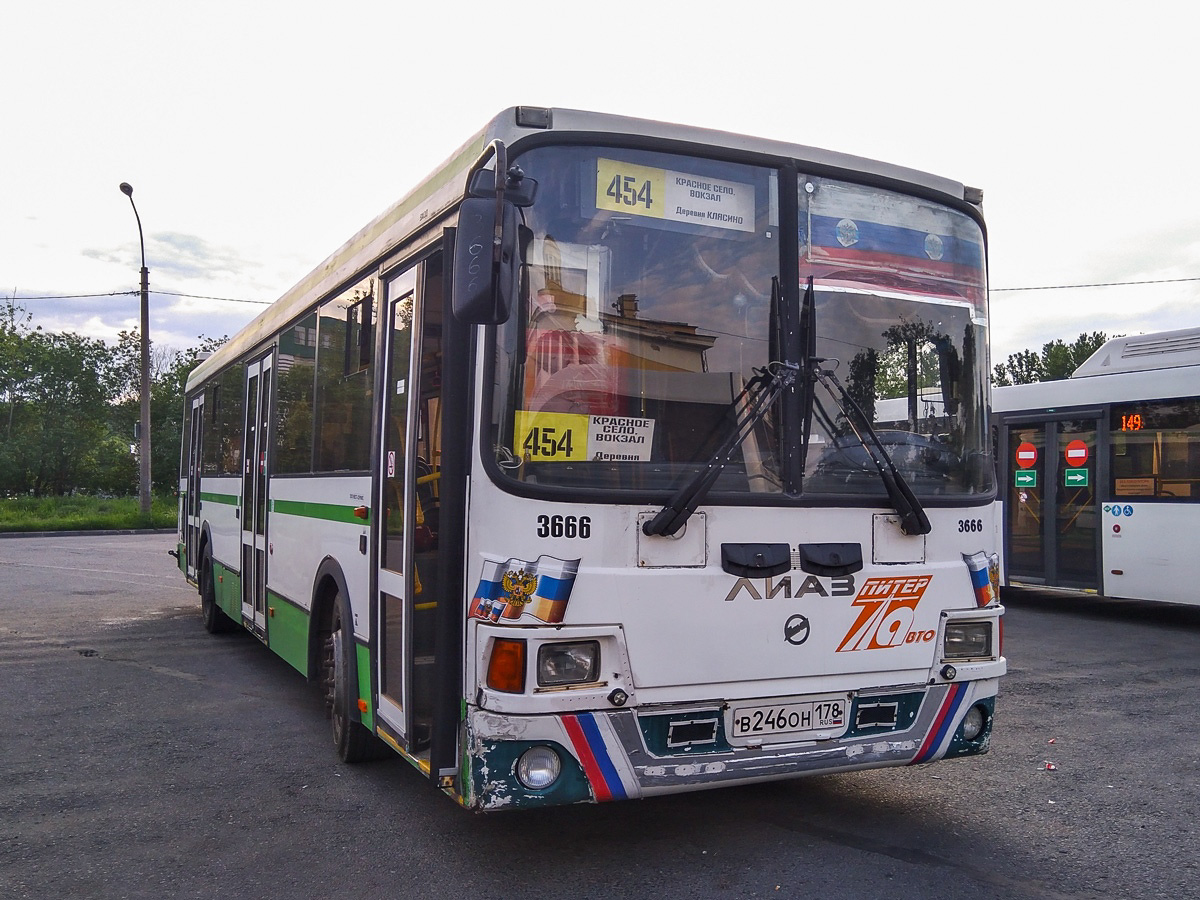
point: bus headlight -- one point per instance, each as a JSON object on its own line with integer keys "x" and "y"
{"x": 967, "y": 640}
{"x": 576, "y": 662}
{"x": 538, "y": 768}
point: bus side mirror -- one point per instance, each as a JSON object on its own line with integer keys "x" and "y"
{"x": 484, "y": 286}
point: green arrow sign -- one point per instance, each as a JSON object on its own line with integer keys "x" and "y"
{"x": 1075, "y": 477}
{"x": 1025, "y": 478}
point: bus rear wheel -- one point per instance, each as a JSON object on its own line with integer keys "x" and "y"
{"x": 339, "y": 675}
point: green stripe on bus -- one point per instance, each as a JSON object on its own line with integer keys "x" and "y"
{"x": 364, "y": 684}
{"x": 227, "y": 499}
{"x": 287, "y": 631}
{"x": 331, "y": 512}
{"x": 229, "y": 591}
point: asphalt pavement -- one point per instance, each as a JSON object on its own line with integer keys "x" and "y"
{"x": 142, "y": 757}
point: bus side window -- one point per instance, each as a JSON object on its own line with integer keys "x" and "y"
{"x": 1156, "y": 449}
{"x": 344, "y": 380}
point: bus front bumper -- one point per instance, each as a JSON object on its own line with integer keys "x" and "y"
{"x": 630, "y": 753}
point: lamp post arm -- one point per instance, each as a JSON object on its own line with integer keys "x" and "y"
{"x": 141, "y": 240}
{"x": 144, "y": 426}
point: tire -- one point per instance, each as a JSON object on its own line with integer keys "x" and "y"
{"x": 214, "y": 618}
{"x": 339, "y": 674}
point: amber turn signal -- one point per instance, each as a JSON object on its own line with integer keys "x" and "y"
{"x": 506, "y": 667}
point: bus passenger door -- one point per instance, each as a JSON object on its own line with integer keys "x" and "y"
{"x": 191, "y": 530}
{"x": 1024, "y": 512}
{"x": 254, "y": 495}
{"x": 409, "y": 559}
{"x": 1051, "y": 517}
{"x": 1076, "y": 521}
{"x": 395, "y": 560}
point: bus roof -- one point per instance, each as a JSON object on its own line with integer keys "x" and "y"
{"x": 1140, "y": 353}
{"x": 432, "y": 199}
{"x": 1147, "y": 366}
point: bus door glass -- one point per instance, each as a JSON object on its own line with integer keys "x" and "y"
{"x": 394, "y": 589}
{"x": 254, "y": 494}
{"x": 1024, "y": 509}
{"x": 425, "y": 498}
{"x": 192, "y": 500}
{"x": 411, "y": 463}
{"x": 1076, "y": 536}
{"x": 1051, "y": 509}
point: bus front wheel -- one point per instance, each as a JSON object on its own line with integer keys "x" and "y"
{"x": 340, "y": 677}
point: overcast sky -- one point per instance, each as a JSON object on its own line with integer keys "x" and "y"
{"x": 260, "y": 136}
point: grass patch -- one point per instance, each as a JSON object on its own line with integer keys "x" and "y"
{"x": 84, "y": 513}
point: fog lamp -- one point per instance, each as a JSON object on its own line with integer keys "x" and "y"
{"x": 538, "y": 768}
{"x": 973, "y": 723}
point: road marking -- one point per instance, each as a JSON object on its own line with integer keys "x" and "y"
{"x": 88, "y": 569}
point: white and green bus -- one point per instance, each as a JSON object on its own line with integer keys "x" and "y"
{"x": 619, "y": 458}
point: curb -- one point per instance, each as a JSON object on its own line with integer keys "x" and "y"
{"x": 97, "y": 531}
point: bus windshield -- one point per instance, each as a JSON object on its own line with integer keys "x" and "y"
{"x": 646, "y": 310}
{"x": 901, "y": 312}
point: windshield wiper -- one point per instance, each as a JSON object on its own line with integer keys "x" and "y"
{"x": 808, "y": 352}
{"x": 763, "y": 389}
{"x": 912, "y": 515}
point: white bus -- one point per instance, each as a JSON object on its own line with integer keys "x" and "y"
{"x": 561, "y": 476}
{"x": 1102, "y": 472}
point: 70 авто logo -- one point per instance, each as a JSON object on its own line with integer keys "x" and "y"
{"x": 889, "y": 606}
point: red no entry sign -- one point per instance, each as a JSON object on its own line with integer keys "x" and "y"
{"x": 1026, "y": 455}
{"x": 1076, "y": 453}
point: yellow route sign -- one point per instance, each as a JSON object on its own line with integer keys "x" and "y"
{"x": 628, "y": 188}
{"x": 546, "y": 436}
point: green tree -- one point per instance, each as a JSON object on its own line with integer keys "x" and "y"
{"x": 1021, "y": 368}
{"x": 169, "y": 370}
{"x": 14, "y": 327}
{"x": 1057, "y": 360}
{"x": 57, "y": 411}
{"x": 68, "y": 405}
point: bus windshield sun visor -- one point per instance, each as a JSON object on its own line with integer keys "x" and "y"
{"x": 760, "y": 393}
{"x": 913, "y": 519}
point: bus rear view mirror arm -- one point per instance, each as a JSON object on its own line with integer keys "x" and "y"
{"x": 487, "y": 245}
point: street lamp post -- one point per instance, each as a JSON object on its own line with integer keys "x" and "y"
{"x": 144, "y": 436}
